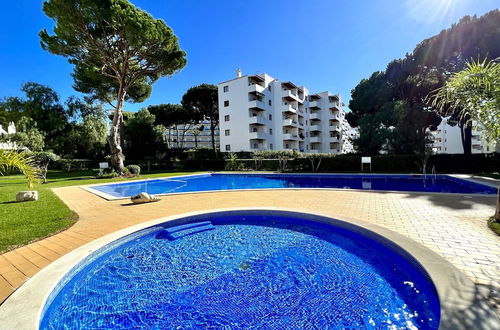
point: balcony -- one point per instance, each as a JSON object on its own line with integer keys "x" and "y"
{"x": 315, "y": 139}
{"x": 289, "y": 95}
{"x": 315, "y": 128}
{"x": 335, "y": 138}
{"x": 334, "y": 106}
{"x": 289, "y": 108}
{"x": 315, "y": 115}
{"x": 257, "y": 120}
{"x": 334, "y": 128}
{"x": 314, "y": 105}
{"x": 258, "y": 136}
{"x": 291, "y": 137}
{"x": 256, "y": 105}
{"x": 256, "y": 88}
{"x": 290, "y": 122}
{"x": 333, "y": 98}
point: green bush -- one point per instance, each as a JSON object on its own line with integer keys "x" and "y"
{"x": 134, "y": 169}
{"x": 106, "y": 173}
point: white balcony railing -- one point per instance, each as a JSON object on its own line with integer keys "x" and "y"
{"x": 258, "y": 135}
{"x": 257, "y": 120}
{"x": 290, "y": 122}
{"x": 256, "y": 104}
{"x": 256, "y": 88}
{"x": 315, "y": 139}
{"x": 314, "y": 116}
{"x": 287, "y": 107}
{"x": 291, "y": 137}
{"x": 314, "y": 104}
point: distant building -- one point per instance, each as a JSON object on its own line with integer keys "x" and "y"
{"x": 259, "y": 112}
{"x": 447, "y": 140}
{"x": 188, "y": 136}
{"x": 11, "y": 129}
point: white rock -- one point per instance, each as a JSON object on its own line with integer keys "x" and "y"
{"x": 143, "y": 198}
{"x": 29, "y": 195}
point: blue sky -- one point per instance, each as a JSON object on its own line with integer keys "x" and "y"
{"x": 322, "y": 44}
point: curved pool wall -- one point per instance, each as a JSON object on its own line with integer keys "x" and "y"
{"x": 462, "y": 306}
{"x": 246, "y": 271}
{"x": 213, "y": 182}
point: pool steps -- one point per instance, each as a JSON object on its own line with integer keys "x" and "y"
{"x": 176, "y": 232}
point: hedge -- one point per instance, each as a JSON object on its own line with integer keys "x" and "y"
{"x": 444, "y": 163}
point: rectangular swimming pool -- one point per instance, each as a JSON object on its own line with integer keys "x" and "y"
{"x": 220, "y": 181}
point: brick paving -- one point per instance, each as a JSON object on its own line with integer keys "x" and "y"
{"x": 453, "y": 226}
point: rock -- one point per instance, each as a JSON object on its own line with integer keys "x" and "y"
{"x": 143, "y": 198}
{"x": 25, "y": 196}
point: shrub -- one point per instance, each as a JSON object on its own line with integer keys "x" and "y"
{"x": 42, "y": 160}
{"x": 107, "y": 173}
{"x": 134, "y": 169}
{"x": 232, "y": 163}
{"x": 315, "y": 159}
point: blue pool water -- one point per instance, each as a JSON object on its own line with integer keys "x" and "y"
{"x": 245, "y": 271}
{"x": 211, "y": 182}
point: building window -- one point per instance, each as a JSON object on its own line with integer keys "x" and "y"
{"x": 269, "y": 88}
{"x": 226, "y": 132}
{"x": 226, "y": 103}
{"x": 287, "y": 146}
{"x": 226, "y": 89}
{"x": 254, "y": 129}
{"x": 270, "y": 131}
{"x": 270, "y": 103}
{"x": 228, "y": 147}
{"x": 226, "y": 118}
{"x": 271, "y": 146}
{"x": 255, "y": 145}
{"x": 270, "y": 117}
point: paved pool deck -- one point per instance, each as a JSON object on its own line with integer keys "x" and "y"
{"x": 454, "y": 226}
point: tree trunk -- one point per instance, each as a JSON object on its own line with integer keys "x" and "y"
{"x": 466, "y": 135}
{"x": 117, "y": 157}
{"x": 212, "y": 133}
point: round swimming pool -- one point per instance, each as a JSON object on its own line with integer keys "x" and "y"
{"x": 245, "y": 271}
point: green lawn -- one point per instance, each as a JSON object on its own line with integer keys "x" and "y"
{"x": 21, "y": 223}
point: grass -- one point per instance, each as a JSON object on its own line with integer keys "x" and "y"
{"x": 494, "y": 225}
{"x": 22, "y": 223}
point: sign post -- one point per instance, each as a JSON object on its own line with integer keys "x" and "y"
{"x": 366, "y": 160}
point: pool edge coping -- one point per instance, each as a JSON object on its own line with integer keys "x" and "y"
{"x": 457, "y": 294}
{"x": 465, "y": 177}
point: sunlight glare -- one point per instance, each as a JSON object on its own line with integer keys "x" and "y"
{"x": 430, "y": 11}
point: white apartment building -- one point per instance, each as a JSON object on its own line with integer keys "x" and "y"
{"x": 11, "y": 129}
{"x": 188, "y": 136}
{"x": 259, "y": 112}
{"x": 447, "y": 140}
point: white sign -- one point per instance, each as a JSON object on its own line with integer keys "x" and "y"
{"x": 103, "y": 165}
{"x": 366, "y": 160}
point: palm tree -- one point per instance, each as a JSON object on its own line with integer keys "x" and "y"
{"x": 10, "y": 159}
{"x": 474, "y": 93}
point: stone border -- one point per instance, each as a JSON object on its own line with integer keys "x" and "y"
{"x": 462, "y": 305}
{"x": 457, "y": 176}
